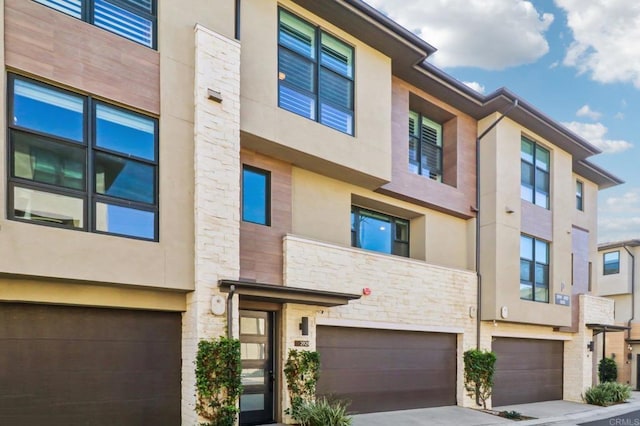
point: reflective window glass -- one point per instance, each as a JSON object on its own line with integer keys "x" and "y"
{"x": 125, "y": 221}
{"x": 252, "y": 325}
{"x": 255, "y": 196}
{"x": 70, "y": 7}
{"x": 252, "y": 350}
{"x": 252, "y": 376}
{"x": 48, "y": 208}
{"x": 118, "y": 177}
{"x": 251, "y": 401}
{"x": 48, "y": 110}
{"x": 45, "y": 161}
{"x": 379, "y": 232}
{"x": 125, "y": 132}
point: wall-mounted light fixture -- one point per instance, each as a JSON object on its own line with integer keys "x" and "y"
{"x": 613, "y": 355}
{"x": 590, "y": 346}
{"x": 214, "y": 95}
{"x": 304, "y": 326}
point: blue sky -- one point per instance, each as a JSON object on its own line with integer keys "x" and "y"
{"x": 576, "y": 60}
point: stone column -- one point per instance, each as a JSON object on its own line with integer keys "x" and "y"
{"x": 216, "y": 197}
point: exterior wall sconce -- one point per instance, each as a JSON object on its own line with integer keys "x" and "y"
{"x": 304, "y": 326}
{"x": 613, "y": 355}
{"x": 214, "y": 95}
{"x": 590, "y": 346}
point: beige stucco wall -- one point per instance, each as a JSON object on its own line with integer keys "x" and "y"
{"x": 322, "y": 210}
{"x": 40, "y": 251}
{"x": 364, "y": 157}
{"x": 406, "y": 294}
{"x": 503, "y": 220}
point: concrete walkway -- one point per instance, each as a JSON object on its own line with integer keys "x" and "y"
{"x": 557, "y": 413}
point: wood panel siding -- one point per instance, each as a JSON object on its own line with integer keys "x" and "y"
{"x": 55, "y": 47}
{"x": 456, "y": 193}
{"x": 261, "y": 257}
{"x": 67, "y": 365}
{"x": 385, "y": 370}
{"x": 527, "y": 370}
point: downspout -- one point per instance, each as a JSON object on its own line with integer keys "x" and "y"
{"x": 633, "y": 292}
{"x": 237, "y": 22}
{"x": 477, "y": 211}
{"x": 232, "y": 290}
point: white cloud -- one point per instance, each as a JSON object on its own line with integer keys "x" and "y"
{"x": 604, "y": 39}
{"x": 619, "y": 116}
{"x": 586, "y": 111}
{"x": 490, "y": 34}
{"x": 595, "y": 133}
{"x": 619, "y": 214}
{"x": 475, "y": 86}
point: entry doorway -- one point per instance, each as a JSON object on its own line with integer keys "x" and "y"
{"x": 257, "y": 353}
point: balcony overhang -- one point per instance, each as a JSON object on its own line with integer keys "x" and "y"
{"x": 285, "y": 294}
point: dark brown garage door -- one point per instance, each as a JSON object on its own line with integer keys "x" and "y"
{"x": 87, "y": 366}
{"x": 384, "y": 370}
{"x": 527, "y": 370}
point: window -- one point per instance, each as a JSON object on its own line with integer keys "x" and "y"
{"x": 255, "y": 195}
{"x": 579, "y": 195}
{"x": 611, "y": 262}
{"x": 534, "y": 269}
{"x": 315, "y": 73}
{"x": 534, "y": 166}
{"x": 425, "y": 147}
{"x": 79, "y": 163}
{"x": 379, "y": 232}
{"x": 132, "y": 19}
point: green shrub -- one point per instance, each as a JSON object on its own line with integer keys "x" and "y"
{"x": 607, "y": 370}
{"x": 479, "y": 367}
{"x": 607, "y": 393}
{"x": 218, "y": 381}
{"x": 301, "y": 371}
{"x": 323, "y": 413}
{"x": 513, "y": 415}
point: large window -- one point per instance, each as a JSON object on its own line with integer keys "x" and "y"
{"x": 534, "y": 166}
{"x": 425, "y": 146}
{"x": 379, "y": 232}
{"x": 315, "y": 73}
{"x": 611, "y": 263}
{"x": 132, "y": 19}
{"x": 534, "y": 269}
{"x": 79, "y": 163}
{"x": 579, "y": 195}
{"x": 255, "y": 195}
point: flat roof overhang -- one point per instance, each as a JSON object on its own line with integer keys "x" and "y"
{"x": 286, "y": 294}
{"x": 603, "y": 328}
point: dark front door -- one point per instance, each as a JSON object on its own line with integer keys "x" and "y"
{"x": 256, "y": 347}
{"x": 638, "y": 372}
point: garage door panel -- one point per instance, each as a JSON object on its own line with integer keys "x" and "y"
{"x": 382, "y": 370}
{"x": 527, "y": 370}
{"x": 89, "y": 366}
{"x": 372, "y": 358}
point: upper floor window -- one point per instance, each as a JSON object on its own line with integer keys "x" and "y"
{"x": 425, "y": 146}
{"x": 534, "y": 167}
{"x": 132, "y": 19}
{"x": 256, "y": 195}
{"x": 611, "y": 263}
{"x": 579, "y": 195}
{"x": 534, "y": 269}
{"x": 379, "y": 232}
{"x": 315, "y": 73}
{"x": 79, "y": 163}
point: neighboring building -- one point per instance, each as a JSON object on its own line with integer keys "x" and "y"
{"x": 617, "y": 270}
{"x": 291, "y": 173}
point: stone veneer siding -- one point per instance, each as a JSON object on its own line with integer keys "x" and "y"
{"x": 406, "y": 294}
{"x": 216, "y": 200}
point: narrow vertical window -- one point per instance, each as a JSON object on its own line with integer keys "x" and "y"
{"x": 425, "y": 147}
{"x": 256, "y": 196}
{"x": 579, "y": 196}
{"x": 534, "y": 173}
{"x": 611, "y": 263}
{"x": 534, "y": 269}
